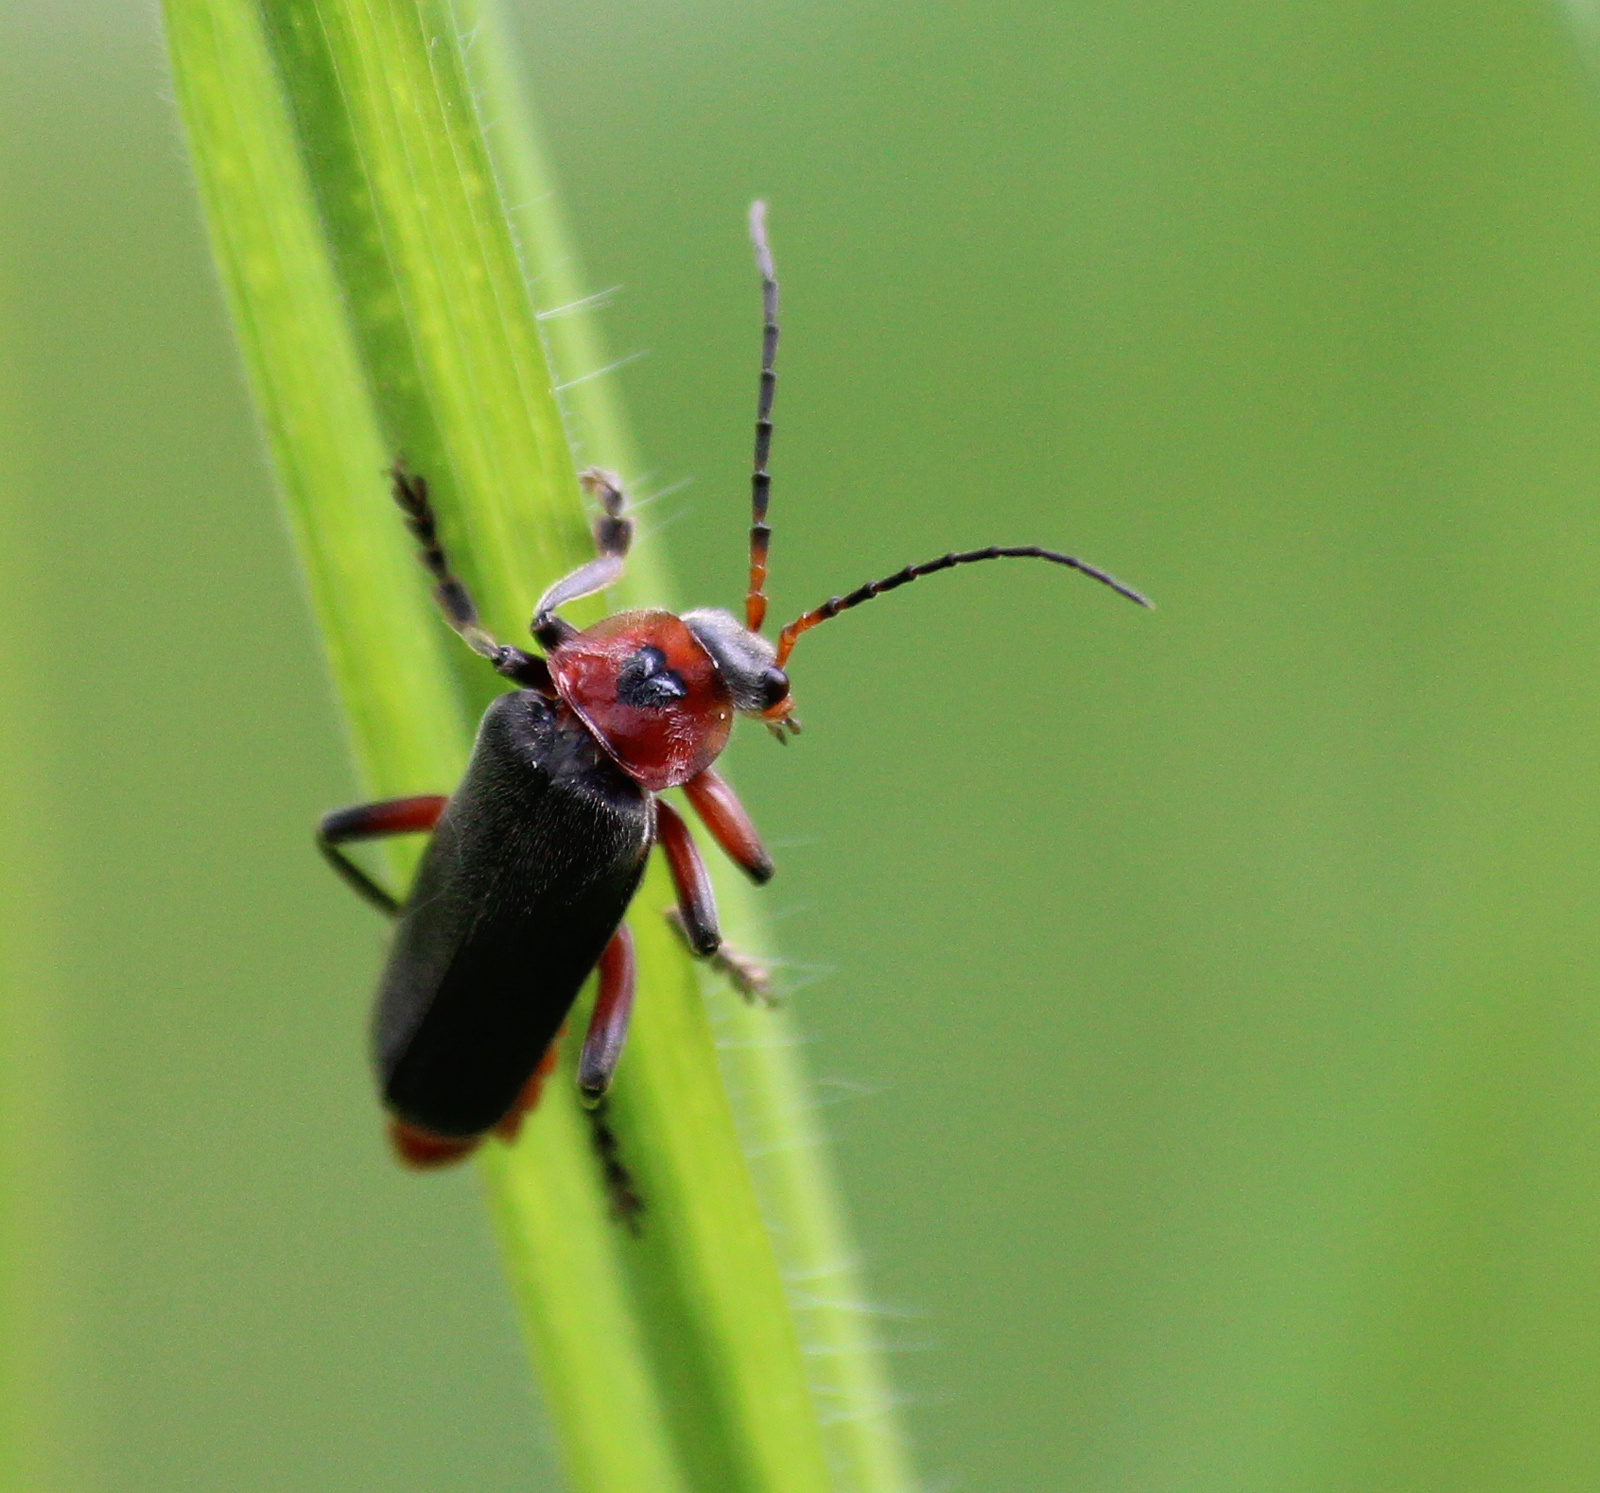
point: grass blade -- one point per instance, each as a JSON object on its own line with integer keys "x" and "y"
{"x": 407, "y": 723}
{"x": 382, "y": 303}
{"x": 775, "y": 1106}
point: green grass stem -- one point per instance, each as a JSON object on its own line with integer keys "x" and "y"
{"x": 380, "y": 291}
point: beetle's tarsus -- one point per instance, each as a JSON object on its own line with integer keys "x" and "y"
{"x": 747, "y": 974}
{"x": 627, "y": 1207}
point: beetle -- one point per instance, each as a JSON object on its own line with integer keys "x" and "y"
{"x": 535, "y": 857}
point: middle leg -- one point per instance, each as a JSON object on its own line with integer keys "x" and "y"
{"x": 697, "y": 905}
{"x": 608, "y": 1026}
{"x": 597, "y": 1065}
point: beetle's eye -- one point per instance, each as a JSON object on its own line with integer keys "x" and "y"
{"x": 774, "y": 687}
{"x": 646, "y": 683}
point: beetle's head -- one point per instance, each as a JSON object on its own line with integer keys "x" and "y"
{"x": 747, "y": 663}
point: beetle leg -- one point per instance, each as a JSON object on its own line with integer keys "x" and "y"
{"x": 747, "y": 974}
{"x": 696, "y": 903}
{"x": 608, "y": 1026}
{"x": 613, "y": 533}
{"x": 626, "y": 1204}
{"x": 722, "y": 813}
{"x": 393, "y": 816}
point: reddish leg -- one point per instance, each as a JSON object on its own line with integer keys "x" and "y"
{"x": 696, "y": 903}
{"x": 608, "y": 1026}
{"x": 722, "y": 813}
{"x": 394, "y": 816}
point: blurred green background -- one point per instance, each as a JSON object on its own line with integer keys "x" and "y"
{"x": 1208, "y": 997}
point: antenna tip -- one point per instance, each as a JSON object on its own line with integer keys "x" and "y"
{"x": 1106, "y": 579}
{"x": 758, "y": 237}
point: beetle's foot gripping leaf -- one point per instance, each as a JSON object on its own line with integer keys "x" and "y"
{"x": 747, "y": 974}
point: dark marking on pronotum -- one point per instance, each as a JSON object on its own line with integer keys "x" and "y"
{"x": 647, "y": 683}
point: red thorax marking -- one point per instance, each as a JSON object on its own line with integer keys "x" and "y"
{"x": 651, "y": 694}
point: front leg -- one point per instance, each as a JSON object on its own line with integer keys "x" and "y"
{"x": 694, "y": 919}
{"x": 697, "y": 905}
{"x": 721, "y": 812}
{"x": 393, "y": 816}
{"x": 747, "y": 974}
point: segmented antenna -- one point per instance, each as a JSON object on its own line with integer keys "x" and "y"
{"x": 836, "y": 604}
{"x": 613, "y": 534}
{"x": 411, "y": 494}
{"x": 755, "y": 602}
{"x": 455, "y": 601}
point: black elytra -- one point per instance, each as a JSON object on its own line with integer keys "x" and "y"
{"x": 493, "y": 948}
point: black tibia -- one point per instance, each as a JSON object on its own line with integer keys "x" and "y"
{"x": 455, "y": 601}
{"x": 696, "y": 903}
{"x": 755, "y": 603}
{"x": 747, "y": 974}
{"x": 608, "y": 1026}
{"x": 526, "y": 878}
{"x": 393, "y": 816}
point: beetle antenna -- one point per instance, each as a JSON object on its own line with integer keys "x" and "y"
{"x": 455, "y": 601}
{"x": 613, "y": 534}
{"x": 834, "y": 605}
{"x": 755, "y": 602}
{"x": 411, "y": 494}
